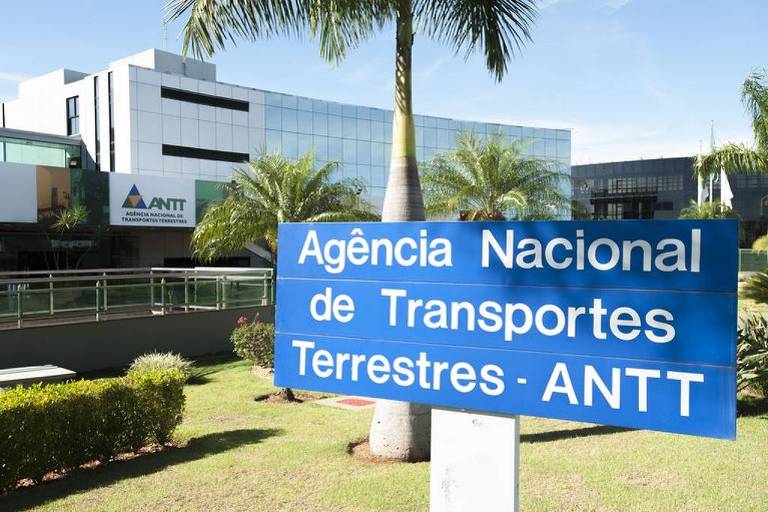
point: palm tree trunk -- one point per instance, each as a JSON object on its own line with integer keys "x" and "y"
{"x": 403, "y": 200}
{"x": 401, "y": 430}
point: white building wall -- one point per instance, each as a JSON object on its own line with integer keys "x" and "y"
{"x": 156, "y": 121}
{"x": 38, "y": 107}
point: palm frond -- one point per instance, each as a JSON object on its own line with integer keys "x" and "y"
{"x": 211, "y": 24}
{"x": 708, "y": 210}
{"x": 754, "y": 96}
{"x": 274, "y": 190}
{"x": 498, "y": 28}
{"x": 69, "y": 218}
{"x": 731, "y": 158}
{"x": 756, "y": 288}
{"x": 490, "y": 180}
{"x": 341, "y": 25}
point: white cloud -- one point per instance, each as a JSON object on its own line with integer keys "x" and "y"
{"x": 616, "y": 4}
{"x": 426, "y": 72}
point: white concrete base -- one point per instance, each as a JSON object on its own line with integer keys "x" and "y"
{"x": 475, "y": 462}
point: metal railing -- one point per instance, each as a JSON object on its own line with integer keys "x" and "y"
{"x": 42, "y": 297}
{"x": 753, "y": 261}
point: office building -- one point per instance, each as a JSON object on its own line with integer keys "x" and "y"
{"x": 158, "y": 114}
{"x": 156, "y": 125}
{"x": 659, "y": 189}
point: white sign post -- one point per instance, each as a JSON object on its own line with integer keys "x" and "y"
{"x": 475, "y": 462}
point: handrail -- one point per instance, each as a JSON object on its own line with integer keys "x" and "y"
{"x": 155, "y": 290}
{"x": 76, "y": 271}
{"x": 157, "y": 273}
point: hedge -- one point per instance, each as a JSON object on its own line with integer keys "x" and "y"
{"x": 255, "y": 341}
{"x": 58, "y": 427}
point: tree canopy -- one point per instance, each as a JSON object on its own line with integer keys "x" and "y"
{"x": 741, "y": 157}
{"x": 276, "y": 190}
{"x": 492, "y": 180}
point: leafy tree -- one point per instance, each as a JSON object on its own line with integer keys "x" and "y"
{"x": 492, "y": 180}
{"x": 497, "y": 28}
{"x": 275, "y": 190}
{"x": 740, "y": 157}
{"x": 760, "y": 244}
{"x": 708, "y": 210}
{"x": 65, "y": 222}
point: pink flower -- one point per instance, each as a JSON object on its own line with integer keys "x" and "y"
{"x": 242, "y": 320}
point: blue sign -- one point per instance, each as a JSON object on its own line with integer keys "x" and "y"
{"x": 629, "y": 323}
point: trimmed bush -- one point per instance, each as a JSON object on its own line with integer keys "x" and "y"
{"x": 255, "y": 341}
{"x": 155, "y": 361}
{"x": 61, "y": 426}
{"x": 752, "y": 354}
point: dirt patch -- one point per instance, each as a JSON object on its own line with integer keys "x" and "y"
{"x": 280, "y": 397}
{"x": 651, "y": 478}
{"x": 361, "y": 450}
{"x": 263, "y": 372}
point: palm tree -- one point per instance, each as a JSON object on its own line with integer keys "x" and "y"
{"x": 739, "y": 157}
{"x": 496, "y": 27}
{"x": 708, "y": 210}
{"x": 491, "y": 180}
{"x": 65, "y": 222}
{"x": 275, "y": 190}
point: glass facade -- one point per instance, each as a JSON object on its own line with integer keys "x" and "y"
{"x": 206, "y": 192}
{"x": 641, "y": 189}
{"x": 360, "y": 138}
{"x": 27, "y": 151}
{"x": 94, "y": 243}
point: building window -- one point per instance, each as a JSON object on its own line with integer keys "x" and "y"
{"x": 73, "y": 115}
{"x": 203, "y": 99}
{"x": 110, "y": 94}
{"x": 205, "y": 154}
{"x": 97, "y": 142}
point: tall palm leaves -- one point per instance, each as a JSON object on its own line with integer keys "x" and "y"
{"x": 275, "y": 190}
{"x": 740, "y": 157}
{"x": 498, "y": 28}
{"x": 492, "y": 180}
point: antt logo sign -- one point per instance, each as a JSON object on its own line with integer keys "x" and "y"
{"x": 136, "y": 201}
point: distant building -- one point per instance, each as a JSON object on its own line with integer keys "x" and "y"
{"x": 659, "y": 189}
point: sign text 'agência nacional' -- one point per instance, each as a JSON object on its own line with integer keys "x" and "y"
{"x": 629, "y": 323}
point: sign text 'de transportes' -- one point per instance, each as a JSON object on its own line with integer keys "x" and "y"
{"x": 628, "y": 323}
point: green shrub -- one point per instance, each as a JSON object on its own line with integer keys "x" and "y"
{"x": 61, "y": 426}
{"x": 161, "y": 361}
{"x": 756, "y": 288}
{"x": 255, "y": 341}
{"x": 752, "y": 354}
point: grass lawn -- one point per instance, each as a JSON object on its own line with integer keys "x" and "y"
{"x": 255, "y": 456}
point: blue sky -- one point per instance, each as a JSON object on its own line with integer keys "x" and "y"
{"x": 632, "y": 78}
